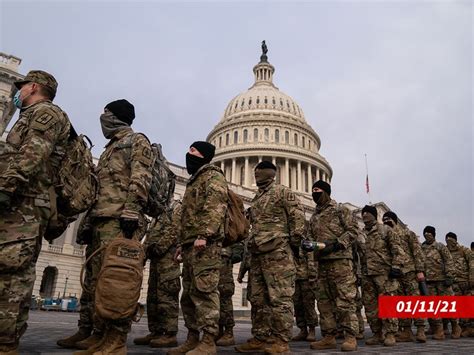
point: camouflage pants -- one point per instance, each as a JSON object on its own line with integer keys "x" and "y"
{"x": 304, "y": 302}
{"x": 437, "y": 288}
{"x": 409, "y": 287}
{"x": 373, "y": 287}
{"x": 200, "y": 297}
{"x": 162, "y": 301}
{"x": 359, "y": 305}
{"x": 337, "y": 296}
{"x": 272, "y": 277}
{"x": 463, "y": 289}
{"x": 226, "y": 291}
{"x": 263, "y": 328}
{"x": 17, "y": 264}
{"x": 104, "y": 230}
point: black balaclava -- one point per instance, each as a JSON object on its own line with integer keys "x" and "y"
{"x": 369, "y": 216}
{"x": 193, "y": 162}
{"x": 431, "y": 234}
{"x": 321, "y": 198}
{"x": 390, "y": 219}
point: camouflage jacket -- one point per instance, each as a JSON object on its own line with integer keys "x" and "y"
{"x": 438, "y": 262}
{"x": 276, "y": 219}
{"x": 204, "y": 206}
{"x": 124, "y": 173}
{"x": 463, "y": 264}
{"x": 306, "y": 267}
{"x": 331, "y": 223}
{"x": 40, "y": 136}
{"x": 161, "y": 244}
{"x": 381, "y": 251}
{"x": 245, "y": 263}
{"x": 413, "y": 258}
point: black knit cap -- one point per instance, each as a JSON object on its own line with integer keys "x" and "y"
{"x": 265, "y": 164}
{"x": 206, "y": 149}
{"x": 370, "y": 209}
{"x": 323, "y": 185}
{"x": 391, "y": 215}
{"x": 430, "y": 229}
{"x": 123, "y": 110}
{"x": 452, "y": 235}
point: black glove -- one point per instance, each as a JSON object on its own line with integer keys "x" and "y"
{"x": 128, "y": 226}
{"x": 5, "y": 200}
{"x": 296, "y": 251}
{"x": 328, "y": 249}
{"x": 448, "y": 282}
{"x": 395, "y": 273}
{"x": 307, "y": 245}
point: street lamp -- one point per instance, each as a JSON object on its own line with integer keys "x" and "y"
{"x": 65, "y": 285}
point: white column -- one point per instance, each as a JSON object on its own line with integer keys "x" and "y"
{"x": 274, "y": 161}
{"x": 318, "y": 176}
{"x": 299, "y": 177}
{"x": 260, "y": 158}
{"x": 293, "y": 179}
{"x": 233, "y": 172}
{"x": 246, "y": 172}
{"x": 287, "y": 172}
{"x": 223, "y": 166}
{"x": 310, "y": 182}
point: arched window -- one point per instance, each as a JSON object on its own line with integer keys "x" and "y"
{"x": 277, "y": 136}
{"x": 287, "y": 137}
{"x": 220, "y": 141}
{"x": 242, "y": 175}
{"x": 227, "y": 139}
{"x": 236, "y": 137}
{"x": 302, "y": 141}
{"x": 309, "y": 144}
{"x": 296, "y": 139}
{"x": 266, "y": 133}
{"x": 255, "y": 135}
{"x": 245, "y": 136}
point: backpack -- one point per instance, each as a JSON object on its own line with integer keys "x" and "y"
{"x": 236, "y": 226}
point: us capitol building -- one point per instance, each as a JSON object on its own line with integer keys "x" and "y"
{"x": 262, "y": 123}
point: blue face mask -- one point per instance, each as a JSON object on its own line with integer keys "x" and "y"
{"x": 17, "y": 101}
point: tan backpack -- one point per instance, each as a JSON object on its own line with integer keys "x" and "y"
{"x": 236, "y": 226}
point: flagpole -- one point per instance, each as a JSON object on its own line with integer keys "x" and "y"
{"x": 367, "y": 179}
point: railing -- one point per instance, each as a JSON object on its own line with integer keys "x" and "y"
{"x": 57, "y": 249}
{"x": 78, "y": 252}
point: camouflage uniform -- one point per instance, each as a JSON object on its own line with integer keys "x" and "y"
{"x": 124, "y": 173}
{"x": 277, "y": 223}
{"x": 305, "y": 288}
{"x": 381, "y": 252}
{"x": 39, "y": 136}
{"x": 226, "y": 289}
{"x": 163, "y": 283}
{"x": 203, "y": 213}
{"x": 439, "y": 267}
{"x": 336, "y": 278}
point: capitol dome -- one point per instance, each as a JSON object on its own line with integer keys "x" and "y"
{"x": 264, "y": 123}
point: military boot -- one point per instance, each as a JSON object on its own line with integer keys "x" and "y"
{"x": 9, "y": 349}
{"x": 438, "y": 333}
{"x": 311, "y": 334}
{"x": 389, "y": 339}
{"x": 468, "y": 332}
{"x": 227, "y": 339}
{"x": 70, "y": 341}
{"x": 85, "y": 344}
{"x": 405, "y": 336}
{"x": 349, "y": 344}
{"x": 146, "y": 339}
{"x": 328, "y": 342}
{"x": 206, "y": 346}
{"x": 455, "y": 331}
{"x": 167, "y": 340}
{"x": 301, "y": 335}
{"x": 360, "y": 336}
{"x": 420, "y": 334}
{"x": 375, "y": 339}
{"x": 253, "y": 345}
{"x": 115, "y": 343}
{"x": 278, "y": 347}
{"x": 191, "y": 342}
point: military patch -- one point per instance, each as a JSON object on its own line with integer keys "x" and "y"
{"x": 44, "y": 119}
{"x": 128, "y": 253}
{"x": 290, "y": 196}
{"x": 146, "y": 153}
{"x": 43, "y": 122}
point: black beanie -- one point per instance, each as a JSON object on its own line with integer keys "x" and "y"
{"x": 451, "y": 235}
{"x": 123, "y": 110}
{"x": 206, "y": 149}
{"x": 323, "y": 186}
{"x": 430, "y": 229}
{"x": 370, "y": 209}
{"x": 265, "y": 164}
{"x": 391, "y": 215}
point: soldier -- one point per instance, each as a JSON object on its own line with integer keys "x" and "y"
{"x": 200, "y": 244}
{"x": 335, "y": 226}
{"x": 304, "y": 297}
{"x": 26, "y": 188}
{"x": 412, "y": 272}
{"x": 124, "y": 173}
{"x": 382, "y": 266}
{"x": 464, "y": 276}
{"x": 440, "y": 273}
{"x": 277, "y": 225}
{"x": 163, "y": 282}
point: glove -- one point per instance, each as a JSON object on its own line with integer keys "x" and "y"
{"x": 5, "y": 200}
{"x": 331, "y": 247}
{"x": 395, "y": 273}
{"x": 128, "y": 226}
{"x": 296, "y": 251}
{"x": 448, "y": 282}
{"x": 307, "y": 245}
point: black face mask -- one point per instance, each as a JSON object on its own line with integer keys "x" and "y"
{"x": 388, "y": 223}
{"x": 193, "y": 163}
{"x": 317, "y": 196}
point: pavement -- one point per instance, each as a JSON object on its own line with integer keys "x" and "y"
{"x": 45, "y": 328}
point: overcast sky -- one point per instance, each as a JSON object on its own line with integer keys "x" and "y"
{"x": 392, "y": 80}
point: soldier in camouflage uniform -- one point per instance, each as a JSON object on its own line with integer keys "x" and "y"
{"x": 305, "y": 296}
{"x": 277, "y": 226}
{"x": 335, "y": 226}
{"x": 381, "y": 266}
{"x": 440, "y": 274}
{"x": 124, "y": 173}
{"x": 26, "y": 187}
{"x": 463, "y": 275}
{"x": 200, "y": 243}
{"x": 413, "y": 271}
{"x": 163, "y": 282}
